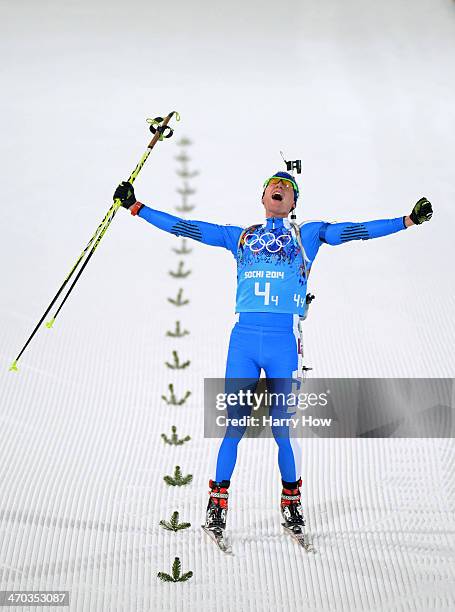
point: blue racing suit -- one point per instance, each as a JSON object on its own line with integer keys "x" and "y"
{"x": 272, "y": 274}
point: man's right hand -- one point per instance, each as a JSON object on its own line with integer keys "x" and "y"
{"x": 125, "y": 193}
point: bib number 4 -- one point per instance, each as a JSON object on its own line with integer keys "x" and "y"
{"x": 299, "y": 300}
{"x": 265, "y": 294}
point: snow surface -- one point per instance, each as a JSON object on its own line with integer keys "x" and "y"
{"x": 362, "y": 91}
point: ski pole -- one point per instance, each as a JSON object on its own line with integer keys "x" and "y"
{"x": 158, "y": 127}
{"x": 158, "y": 132}
{"x": 87, "y": 259}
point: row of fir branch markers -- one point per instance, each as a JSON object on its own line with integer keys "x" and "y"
{"x": 178, "y": 480}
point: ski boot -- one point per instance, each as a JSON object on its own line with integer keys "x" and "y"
{"x": 292, "y": 513}
{"x": 291, "y": 508}
{"x": 218, "y": 504}
{"x": 215, "y": 520}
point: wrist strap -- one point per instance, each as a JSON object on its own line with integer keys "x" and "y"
{"x": 136, "y": 208}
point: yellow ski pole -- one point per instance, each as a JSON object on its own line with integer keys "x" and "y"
{"x": 160, "y": 129}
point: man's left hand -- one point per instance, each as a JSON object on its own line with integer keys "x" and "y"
{"x": 422, "y": 211}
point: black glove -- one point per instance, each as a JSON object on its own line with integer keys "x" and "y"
{"x": 421, "y": 212}
{"x": 125, "y": 193}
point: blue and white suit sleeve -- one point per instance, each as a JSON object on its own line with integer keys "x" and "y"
{"x": 225, "y": 236}
{"x": 339, "y": 233}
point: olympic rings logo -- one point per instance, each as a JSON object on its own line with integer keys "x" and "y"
{"x": 268, "y": 241}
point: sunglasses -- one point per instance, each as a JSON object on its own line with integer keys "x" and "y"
{"x": 276, "y": 179}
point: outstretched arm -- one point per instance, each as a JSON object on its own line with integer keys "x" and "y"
{"x": 338, "y": 233}
{"x": 209, "y": 233}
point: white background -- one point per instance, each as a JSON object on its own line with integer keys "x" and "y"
{"x": 362, "y": 92}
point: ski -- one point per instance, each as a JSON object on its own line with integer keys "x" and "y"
{"x": 217, "y": 535}
{"x": 298, "y": 534}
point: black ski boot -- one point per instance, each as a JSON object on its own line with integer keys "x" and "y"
{"x": 292, "y": 513}
{"x": 291, "y": 508}
{"x": 215, "y": 520}
{"x": 218, "y": 504}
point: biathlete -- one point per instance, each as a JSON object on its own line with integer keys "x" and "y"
{"x": 274, "y": 260}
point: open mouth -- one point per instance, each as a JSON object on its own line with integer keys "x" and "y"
{"x": 277, "y": 196}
